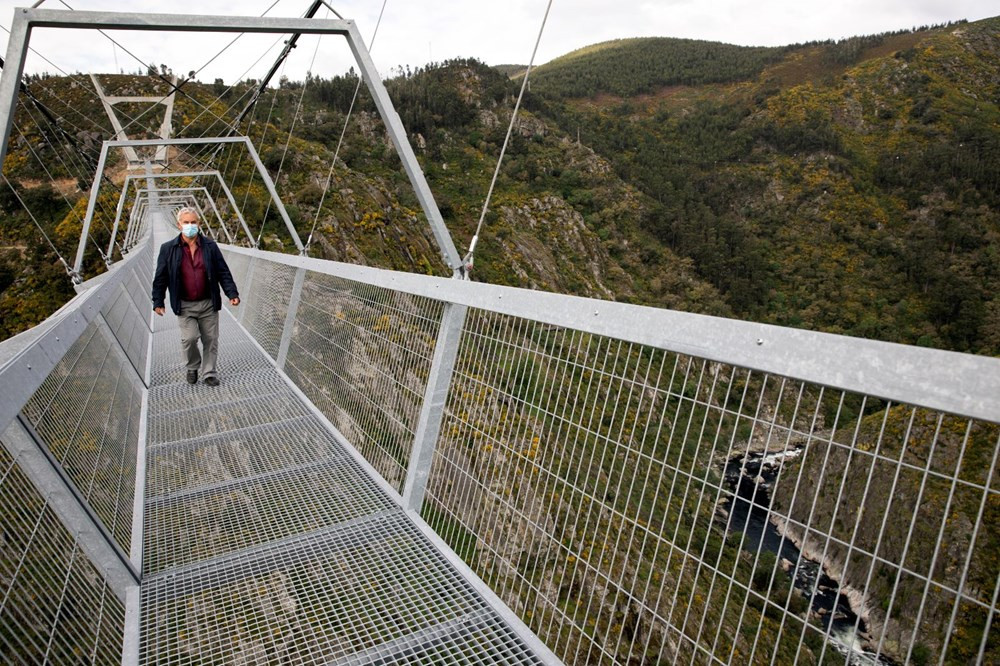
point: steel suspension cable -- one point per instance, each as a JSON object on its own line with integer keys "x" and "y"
{"x": 343, "y": 133}
{"x": 52, "y": 180}
{"x": 247, "y": 92}
{"x": 85, "y": 85}
{"x": 173, "y": 87}
{"x": 80, "y": 174}
{"x": 469, "y": 257}
{"x": 291, "y": 131}
{"x": 69, "y": 271}
{"x": 263, "y": 134}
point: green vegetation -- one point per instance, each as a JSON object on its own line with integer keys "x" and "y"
{"x": 850, "y": 187}
{"x": 628, "y": 67}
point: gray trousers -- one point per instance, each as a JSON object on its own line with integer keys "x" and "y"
{"x": 199, "y": 320}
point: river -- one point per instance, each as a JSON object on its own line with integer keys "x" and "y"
{"x": 749, "y": 515}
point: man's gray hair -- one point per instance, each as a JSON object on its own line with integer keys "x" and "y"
{"x": 188, "y": 209}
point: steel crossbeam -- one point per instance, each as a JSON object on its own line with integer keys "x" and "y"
{"x": 27, "y": 19}
{"x": 150, "y": 176}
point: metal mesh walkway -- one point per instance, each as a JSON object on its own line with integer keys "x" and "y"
{"x": 267, "y": 542}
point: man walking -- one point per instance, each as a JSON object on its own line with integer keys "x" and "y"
{"x": 193, "y": 268}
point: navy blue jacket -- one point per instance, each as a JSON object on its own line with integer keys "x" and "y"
{"x": 168, "y": 273}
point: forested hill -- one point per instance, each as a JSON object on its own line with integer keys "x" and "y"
{"x": 847, "y": 186}
{"x": 628, "y": 67}
{"x": 850, "y": 187}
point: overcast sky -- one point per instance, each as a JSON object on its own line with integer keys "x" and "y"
{"x": 495, "y": 31}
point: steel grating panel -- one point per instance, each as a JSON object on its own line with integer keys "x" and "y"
{"x": 209, "y": 420}
{"x": 244, "y": 513}
{"x": 86, "y": 414}
{"x": 129, "y": 328}
{"x": 237, "y": 353}
{"x": 377, "y": 590}
{"x": 237, "y": 386}
{"x": 140, "y": 286}
{"x": 55, "y": 606}
{"x": 237, "y": 454}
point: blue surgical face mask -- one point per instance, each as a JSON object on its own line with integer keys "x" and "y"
{"x": 189, "y": 230}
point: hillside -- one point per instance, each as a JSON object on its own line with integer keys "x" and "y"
{"x": 860, "y": 199}
{"x": 848, "y": 187}
{"x": 851, "y": 187}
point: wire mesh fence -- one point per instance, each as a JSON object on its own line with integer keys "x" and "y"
{"x": 636, "y": 505}
{"x": 362, "y": 355}
{"x": 87, "y": 413}
{"x": 81, "y": 424}
{"x": 54, "y": 606}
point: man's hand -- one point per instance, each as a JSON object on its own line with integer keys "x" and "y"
{"x": 158, "y": 311}
{"x": 234, "y": 301}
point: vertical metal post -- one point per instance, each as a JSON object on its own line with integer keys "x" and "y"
{"x": 118, "y": 216}
{"x": 398, "y": 135}
{"x": 135, "y": 221}
{"x": 435, "y": 396}
{"x": 131, "y": 156}
{"x": 269, "y": 184}
{"x": 91, "y": 204}
{"x": 293, "y": 308}
{"x": 211, "y": 202}
{"x": 247, "y": 289}
{"x": 10, "y": 79}
{"x": 236, "y": 210}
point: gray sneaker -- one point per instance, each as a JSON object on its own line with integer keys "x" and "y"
{"x": 211, "y": 381}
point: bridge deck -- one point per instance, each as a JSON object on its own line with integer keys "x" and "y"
{"x": 265, "y": 541}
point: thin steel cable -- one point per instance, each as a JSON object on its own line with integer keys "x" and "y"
{"x": 86, "y": 86}
{"x": 510, "y": 128}
{"x": 71, "y": 206}
{"x": 80, "y": 178}
{"x": 343, "y": 133}
{"x": 291, "y": 130}
{"x": 239, "y": 78}
{"x": 37, "y": 225}
{"x": 263, "y": 134}
{"x": 245, "y": 94}
{"x": 173, "y": 87}
{"x": 80, "y": 174}
{"x": 51, "y": 179}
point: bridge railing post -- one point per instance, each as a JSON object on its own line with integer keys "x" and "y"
{"x": 293, "y": 308}
{"x": 432, "y": 411}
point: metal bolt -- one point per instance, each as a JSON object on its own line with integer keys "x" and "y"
{"x": 760, "y": 341}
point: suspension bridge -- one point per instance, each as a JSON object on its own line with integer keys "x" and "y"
{"x": 401, "y": 468}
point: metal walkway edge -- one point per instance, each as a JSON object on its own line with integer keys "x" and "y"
{"x": 265, "y": 540}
